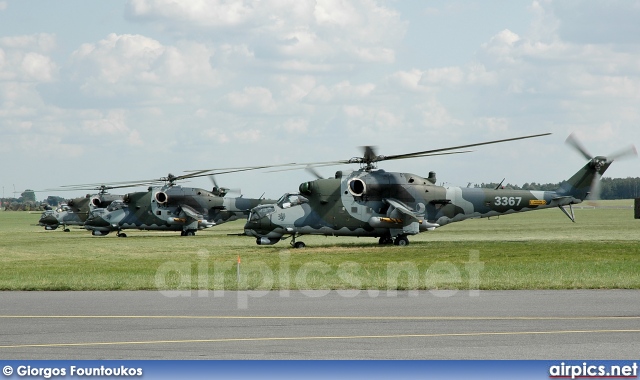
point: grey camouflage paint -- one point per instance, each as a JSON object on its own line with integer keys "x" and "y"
{"x": 76, "y": 211}
{"x": 170, "y": 208}
{"x": 392, "y": 206}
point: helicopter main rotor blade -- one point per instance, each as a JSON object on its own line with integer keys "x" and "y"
{"x": 428, "y": 152}
{"x": 97, "y": 188}
{"x": 312, "y": 169}
{"x": 345, "y": 162}
{"x": 573, "y": 141}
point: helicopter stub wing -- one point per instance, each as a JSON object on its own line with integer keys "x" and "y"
{"x": 189, "y": 213}
{"x": 402, "y": 208}
{"x": 401, "y": 220}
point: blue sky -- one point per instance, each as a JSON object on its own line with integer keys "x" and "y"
{"x": 108, "y": 91}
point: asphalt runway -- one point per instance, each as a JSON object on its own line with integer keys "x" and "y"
{"x": 574, "y": 324}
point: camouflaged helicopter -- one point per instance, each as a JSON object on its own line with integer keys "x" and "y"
{"x": 76, "y": 210}
{"x": 392, "y": 206}
{"x": 171, "y": 208}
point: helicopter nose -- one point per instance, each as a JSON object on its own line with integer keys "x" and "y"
{"x": 48, "y": 219}
{"x": 250, "y": 228}
{"x": 96, "y": 221}
{"x": 258, "y": 227}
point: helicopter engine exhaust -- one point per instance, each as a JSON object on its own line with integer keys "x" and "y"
{"x": 161, "y": 197}
{"x": 95, "y": 201}
{"x": 267, "y": 241}
{"x": 357, "y": 187}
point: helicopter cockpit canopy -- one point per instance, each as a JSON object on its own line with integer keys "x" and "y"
{"x": 63, "y": 207}
{"x": 261, "y": 211}
{"x": 116, "y": 205}
{"x": 290, "y": 200}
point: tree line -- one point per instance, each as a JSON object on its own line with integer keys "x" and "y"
{"x": 610, "y": 188}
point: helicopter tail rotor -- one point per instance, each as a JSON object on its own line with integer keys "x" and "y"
{"x": 587, "y": 183}
{"x": 221, "y": 191}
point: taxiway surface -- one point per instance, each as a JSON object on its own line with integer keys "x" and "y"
{"x": 574, "y": 324}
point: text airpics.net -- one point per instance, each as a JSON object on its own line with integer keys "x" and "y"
{"x": 256, "y": 279}
{"x": 586, "y": 370}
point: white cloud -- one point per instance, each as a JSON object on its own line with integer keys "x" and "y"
{"x": 305, "y": 29}
{"x": 370, "y": 123}
{"x": 342, "y": 92}
{"x": 493, "y": 124}
{"x": 3, "y": 5}
{"x": 249, "y": 135}
{"x": 443, "y": 75}
{"x": 409, "y": 80}
{"x": 111, "y": 128}
{"x": 202, "y": 12}
{"x": 24, "y": 58}
{"x": 38, "y": 67}
{"x": 41, "y": 42}
{"x": 216, "y": 135}
{"x": 436, "y": 116}
{"x": 118, "y": 64}
{"x": 296, "y": 125}
{"x": 111, "y": 124}
{"x": 253, "y": 99}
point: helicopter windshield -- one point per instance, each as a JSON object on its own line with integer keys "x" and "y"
{"x": 262, "y": 211}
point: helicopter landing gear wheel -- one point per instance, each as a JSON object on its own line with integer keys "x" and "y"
{"x": 384, "y": 240}
{"x": 401, "y": 241}
{"x": 188, "y": 233}
{"x": 121, "y": 234}
{"x": 296, "y": 244}
{"x": 67, "y": 230}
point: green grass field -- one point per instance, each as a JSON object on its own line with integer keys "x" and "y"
{"x": 534, "y": 250}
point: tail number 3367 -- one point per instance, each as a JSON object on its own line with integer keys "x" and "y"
{"x": 508, "y": 201}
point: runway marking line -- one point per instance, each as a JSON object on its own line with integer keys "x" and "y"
{"x": 223, "y": 340}
{"x": 382, "y": 318}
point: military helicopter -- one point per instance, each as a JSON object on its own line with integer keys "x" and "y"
{"x": 392, "y": 206}
{"x": 76, "y": 210}
{"x": 171, "y": 207}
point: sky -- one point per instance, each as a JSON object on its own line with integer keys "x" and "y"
{"x": 119, "y": 90}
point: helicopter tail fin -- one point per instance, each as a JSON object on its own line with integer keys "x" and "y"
{"x": 585, "y": 183}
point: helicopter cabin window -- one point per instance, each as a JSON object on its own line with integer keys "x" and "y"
{"x": 354, "y": 209}
{"x": 159, "y": 212}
